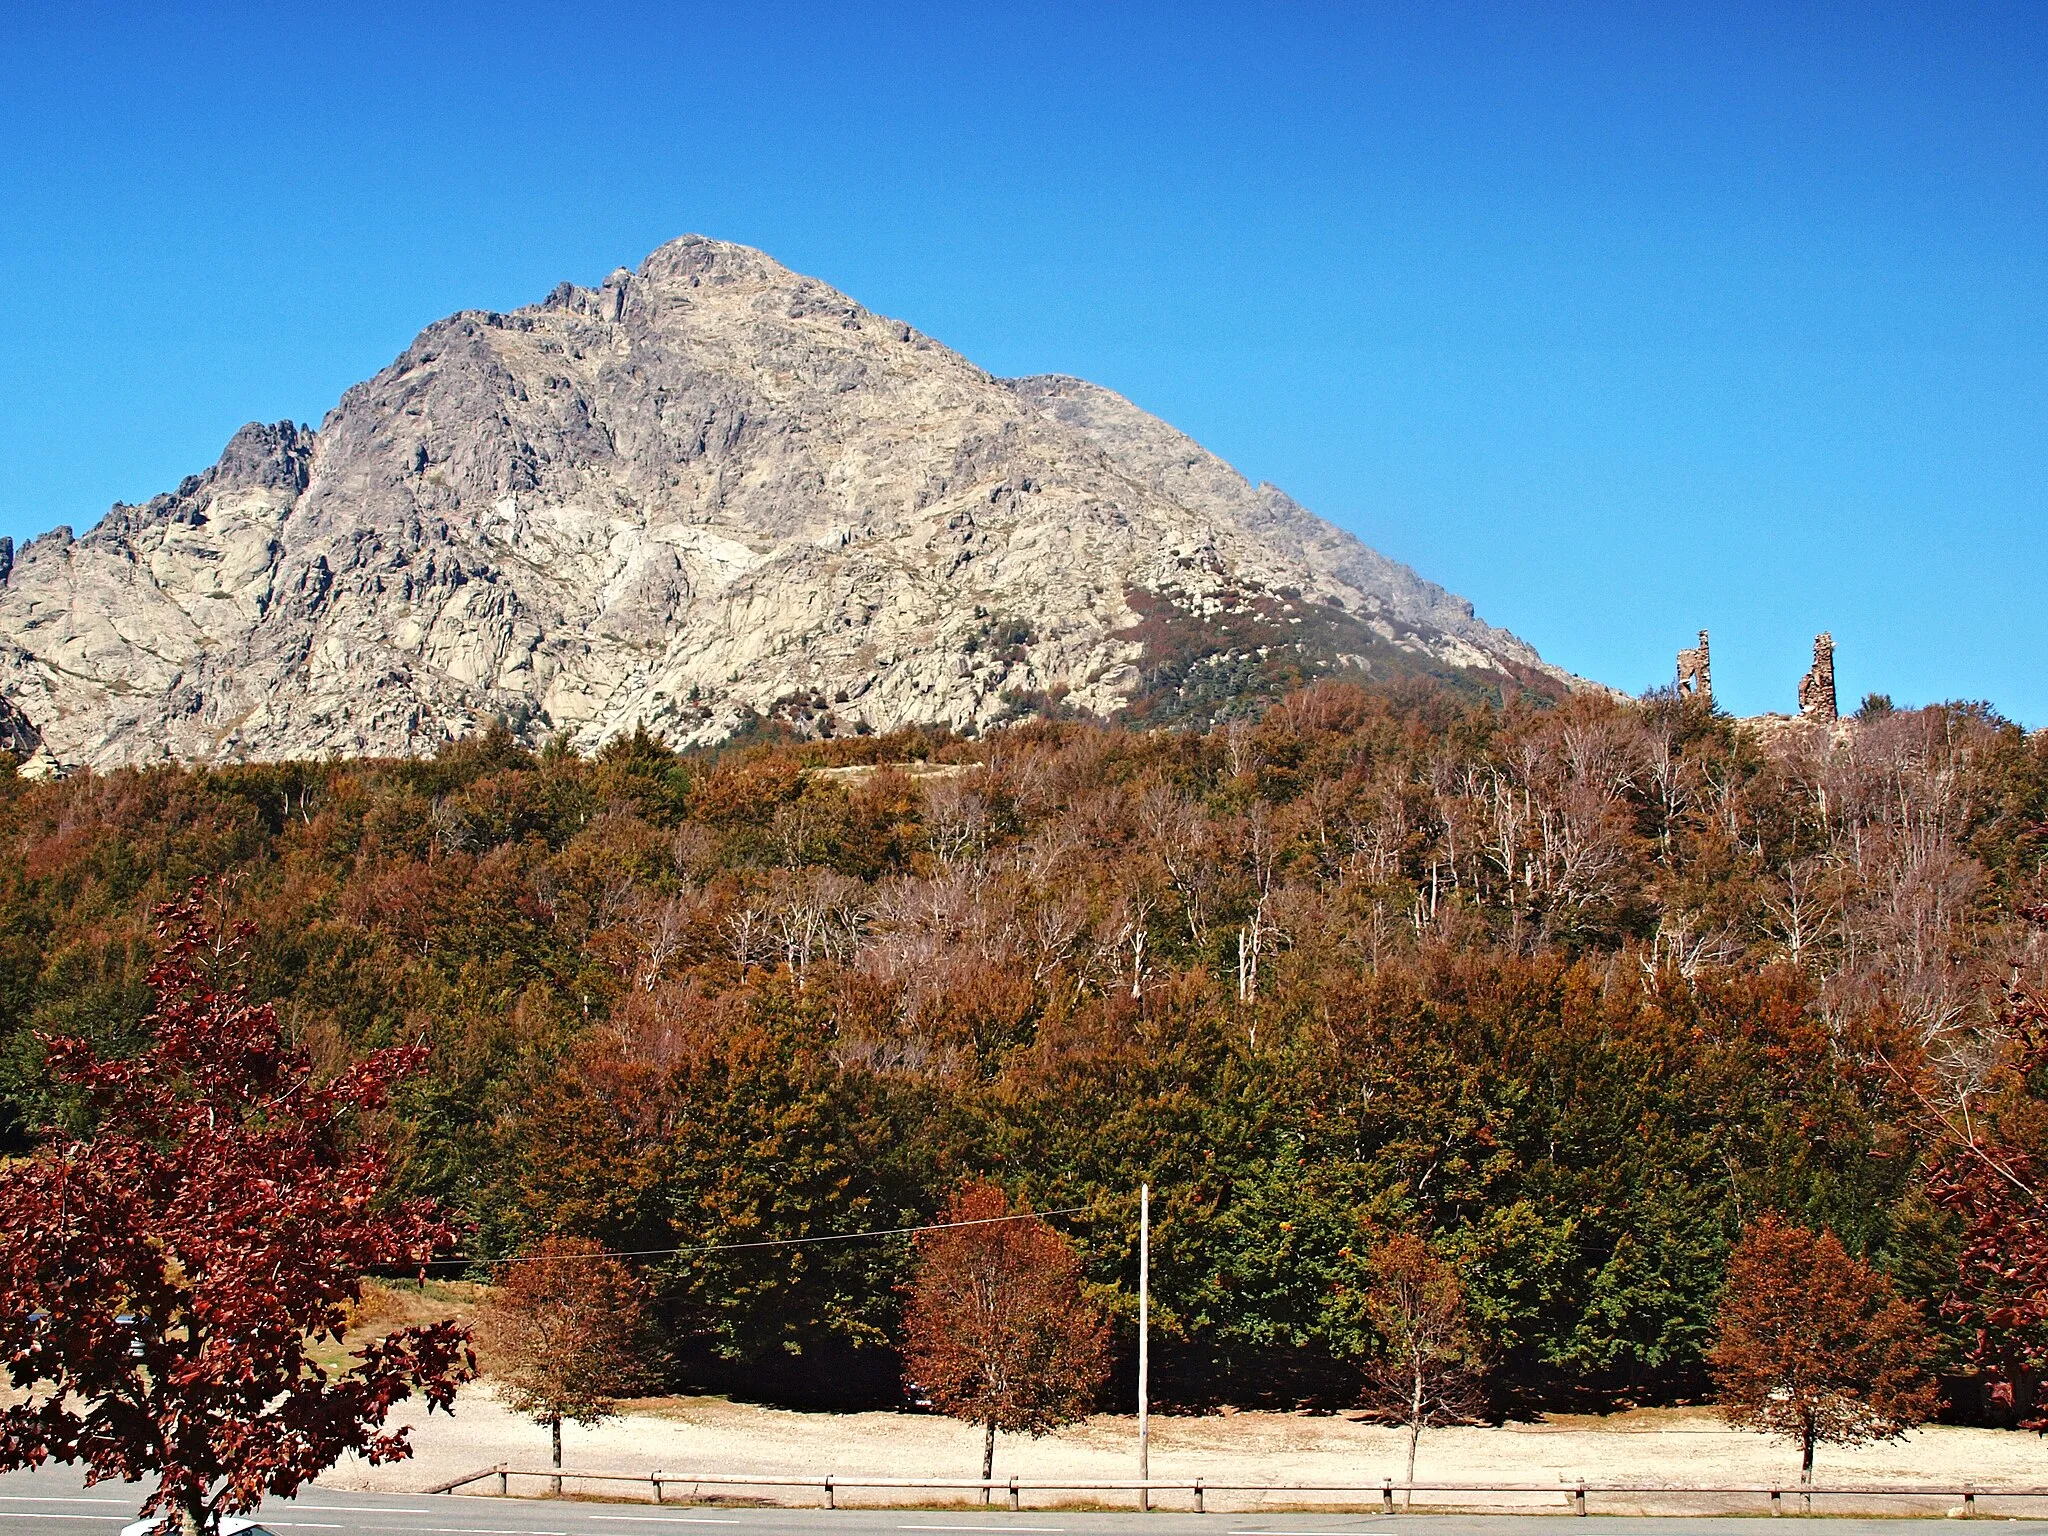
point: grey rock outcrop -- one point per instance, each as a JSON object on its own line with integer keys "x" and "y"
{"x": 19, "y": 737}
{"x": 694, "y": 493}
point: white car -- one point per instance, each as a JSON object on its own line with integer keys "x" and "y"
{"x": 230, "y": 1525}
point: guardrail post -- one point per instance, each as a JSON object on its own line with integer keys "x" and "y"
{"x": 1386, "y": 1496}
{"x": 831, "y": 1499}
{"x": 501, "y": 1481}
{"x": 1777, "y": 1502}
{"x": 1198, "y": 1498}
{"x": 1013, "y": 1490}
{"x": 1969, "y": 1502}
{"x": 1579, "y": 1498}
{"x": 656, "y": 1481}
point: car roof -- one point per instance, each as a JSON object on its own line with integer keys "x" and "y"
{"x": 230, "y": 1525}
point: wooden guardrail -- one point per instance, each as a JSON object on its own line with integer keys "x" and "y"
{"x": 1014, "y": 1489}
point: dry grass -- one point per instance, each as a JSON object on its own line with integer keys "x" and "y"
{"x": 390, "y": 1304}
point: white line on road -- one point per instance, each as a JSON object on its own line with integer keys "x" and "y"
{"x": 51, "y": 1498}
{"x": 361, "y": 1509}
{"x": 349, "y": 1510}
{"x": 673, "y": 1519}
{"x": 981, "y": 1527}
{"x": 51, "y": 1514}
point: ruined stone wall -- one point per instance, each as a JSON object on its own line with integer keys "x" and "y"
{"x": 1696, "y": 672}
{"x": 1817, "y": 688}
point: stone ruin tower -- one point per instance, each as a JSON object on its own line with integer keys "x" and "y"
{"x": 1817, "y": 688}
{"x": 1696, "y": 672}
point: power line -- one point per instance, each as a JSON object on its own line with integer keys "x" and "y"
{"x": 770, "y": 1242}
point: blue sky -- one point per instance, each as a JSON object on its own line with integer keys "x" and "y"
{"x": 1620, "y": 320}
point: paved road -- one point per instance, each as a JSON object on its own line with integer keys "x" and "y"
{"x": 53, "y": 1502}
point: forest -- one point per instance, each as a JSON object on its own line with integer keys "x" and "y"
{"x": 1573, "y": 992}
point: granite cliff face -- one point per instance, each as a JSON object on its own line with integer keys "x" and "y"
{"x": 704, "y": 491}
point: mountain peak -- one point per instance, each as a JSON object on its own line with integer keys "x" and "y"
{"x": 704, "y": 491}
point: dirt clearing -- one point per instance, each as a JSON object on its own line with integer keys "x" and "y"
{"x": 713, "y": 1436}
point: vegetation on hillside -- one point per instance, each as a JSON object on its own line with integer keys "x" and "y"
{"x": 1571, "y": 992}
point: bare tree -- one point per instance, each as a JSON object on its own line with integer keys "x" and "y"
{"x": 745, "y": 929}
{"x": 1261, "y": 848}
{"x": 1801, "y": 909}
{"x": 1180, "y": 839}
{"x": 663, "y": 927}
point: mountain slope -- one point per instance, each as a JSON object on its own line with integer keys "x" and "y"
{"x": 704, "y": 491}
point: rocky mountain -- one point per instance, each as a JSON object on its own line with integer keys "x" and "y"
{"x": 700, "y": 494}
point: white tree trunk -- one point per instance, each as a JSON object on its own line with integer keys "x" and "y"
{"x": 1414, "y": 1436}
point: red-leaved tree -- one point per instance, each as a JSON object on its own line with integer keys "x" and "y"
{"x": 162, "y": 1278}
{"x": 998, "y": 1331}
{"x": 1991, "y": 1169}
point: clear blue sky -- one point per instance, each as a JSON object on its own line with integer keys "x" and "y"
{"x": 1621, "y": 320}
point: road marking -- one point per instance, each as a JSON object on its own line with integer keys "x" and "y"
{"x": 51, "y": 1514}
{"x": 51, "y": 1498}
{"x": 483, "y": 1530}
{"x": 1310, "y": 1533}
{"x": 674, "y": 1519}
{"x": 361, "y": 1509}
{"x": 981, "y": 1527}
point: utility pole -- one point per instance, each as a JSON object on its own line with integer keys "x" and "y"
{"x": 1144, "y": 1343}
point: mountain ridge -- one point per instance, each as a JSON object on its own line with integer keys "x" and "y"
{"x": 703, "y": 492}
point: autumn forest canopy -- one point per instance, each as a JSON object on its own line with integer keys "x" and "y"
{"x": 1573, "y": 994}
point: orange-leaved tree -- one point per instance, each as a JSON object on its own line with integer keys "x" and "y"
{"x": 565, "y": 1333}
{"x": 998, "y": 1331}
{"x": 1815, "y": 1345}
{"x": 1426, "y": 1366}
